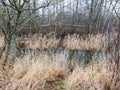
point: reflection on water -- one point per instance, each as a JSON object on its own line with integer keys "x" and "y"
{"x": 82, "y": 57}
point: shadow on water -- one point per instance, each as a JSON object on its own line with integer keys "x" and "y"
{"x": 81, "y": 57}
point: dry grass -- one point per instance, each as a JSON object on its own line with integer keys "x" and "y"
{"x": 44, "y": 73}
{"x": 29, "y": 74}
{"x": 39, "y": 42}
{"x": 91, "y": 42}
{"x": 75, "y": 42}
{"x": 44, "y": 42}
{"x": 72, "y": 42}
{"x": 96, "y": 77}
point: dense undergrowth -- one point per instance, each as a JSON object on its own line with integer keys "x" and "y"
{"x": 45, "y": 73}
{"x": 72, "y": 42}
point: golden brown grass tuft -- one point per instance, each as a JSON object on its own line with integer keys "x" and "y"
{"x": 39, "y": 42}
{"x": 32, "y": 74}
{"x": 72, "y": 42}
{"x": 96, "y": 77}
{"x": 44, "y": 73}
{"x": 91, "y": 42}
{"x": 44, "y": 42}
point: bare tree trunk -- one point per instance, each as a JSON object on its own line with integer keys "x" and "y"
{"x": 6, "y": 52}
{"x": 10, "y": 50}
{"x": 13, "y": 49}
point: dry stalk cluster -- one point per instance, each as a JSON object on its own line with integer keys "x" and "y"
{"x": 91, "y": 42}
{"x": 39, "y": 42}
{"x": 72, "y": 42}
{"x": 48, "y": 74}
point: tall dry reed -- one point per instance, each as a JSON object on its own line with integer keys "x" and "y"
{"x": 45, "y": 73}
{"x": 39, "y": 42}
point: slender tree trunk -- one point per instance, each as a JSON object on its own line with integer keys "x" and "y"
{"x": 6, "y": 52}
{"x": 13, "y": 49}
{"x": 10, "y": 50}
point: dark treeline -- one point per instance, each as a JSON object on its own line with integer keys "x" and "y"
{"x": 76, "y": 16}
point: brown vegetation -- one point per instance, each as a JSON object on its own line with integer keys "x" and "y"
{"x": 72, "y": 42}
{"x": 47, "y": 74}
{"x": 39, "y": 42}
{"x": 91, "y": 42}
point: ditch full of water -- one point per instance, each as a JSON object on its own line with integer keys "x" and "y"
{"x": 82, "y": 57}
